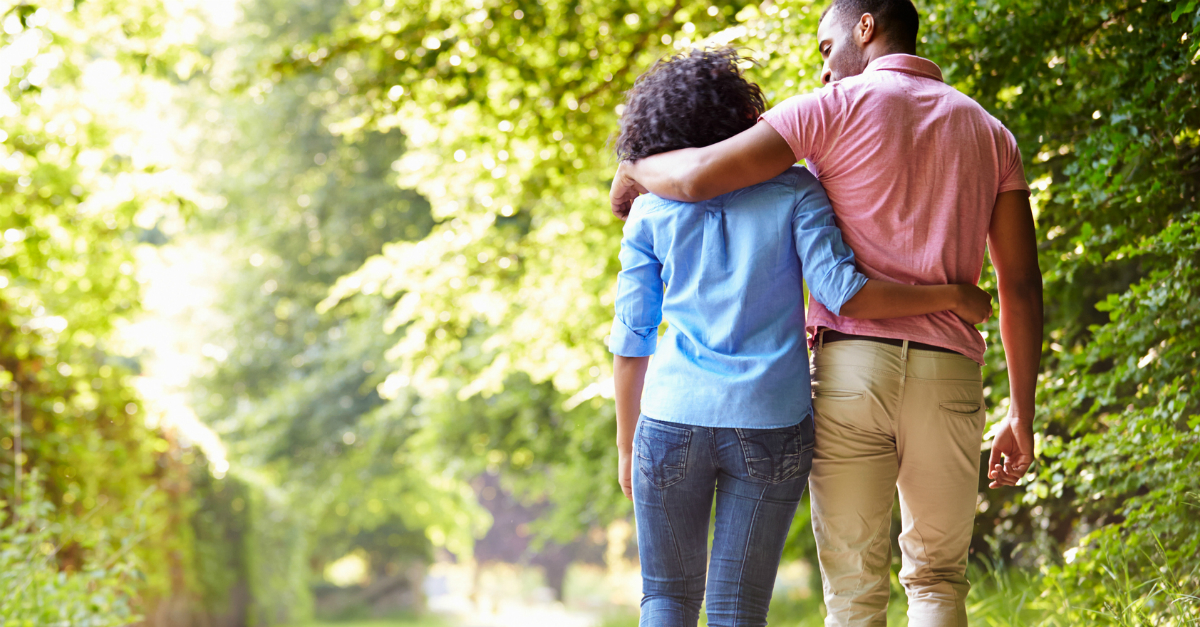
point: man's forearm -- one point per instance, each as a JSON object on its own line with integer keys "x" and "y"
{"x": 675, "y": 175}
{"x": 697, "y": 174}
{"x": 1012, "y": 241}
{"x": 884, "y": 299}
{"x": 1021, "y": 333}
{"x": 629, "y": 377}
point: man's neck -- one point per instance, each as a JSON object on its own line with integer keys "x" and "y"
{"x": 881, "y": 49}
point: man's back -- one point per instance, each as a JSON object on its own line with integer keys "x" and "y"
{"x": 912, "y": 168}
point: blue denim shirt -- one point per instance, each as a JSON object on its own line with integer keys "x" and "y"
{"x": 725, "y": 274}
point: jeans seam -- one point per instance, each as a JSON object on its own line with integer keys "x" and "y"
{"x": 662, "y": 496}
{"x": 737, "y": 604}
{"x": 713, "y": 457}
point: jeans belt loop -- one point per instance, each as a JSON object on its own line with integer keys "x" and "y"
{"x": 904, "y": 351}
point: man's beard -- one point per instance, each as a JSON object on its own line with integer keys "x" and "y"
{"x": 851, "y": 63}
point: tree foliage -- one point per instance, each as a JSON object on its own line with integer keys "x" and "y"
{"x": 81, "y": 189}
{"x": 292, "y": 391}
{"x": 405, "y": 209}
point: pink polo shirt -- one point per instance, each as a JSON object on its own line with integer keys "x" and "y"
{"x": 912, "y": 168}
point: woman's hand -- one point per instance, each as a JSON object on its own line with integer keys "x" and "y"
{"x": 624, "y": 191}
{"x": 973, "y": 304}
{"x": 625, "y": 472}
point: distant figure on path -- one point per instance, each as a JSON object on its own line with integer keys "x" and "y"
{"x": 922, "y": 181}
{"x": 726, "y": 406}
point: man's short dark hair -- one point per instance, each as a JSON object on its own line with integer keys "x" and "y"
{"x": 896, "y": 19}
{"x": 689, "y": 100}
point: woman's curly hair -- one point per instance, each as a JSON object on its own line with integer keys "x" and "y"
{"x": 688, "y": 100}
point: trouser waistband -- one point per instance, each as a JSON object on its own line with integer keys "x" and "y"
{"x": 825, "y": 336}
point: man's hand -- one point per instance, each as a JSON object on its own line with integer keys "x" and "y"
{"x": 624, "y": 190}
{"x": 1012, "y": 452}
{"x": 974, "y": 304}
{"x": 625, "y": 472}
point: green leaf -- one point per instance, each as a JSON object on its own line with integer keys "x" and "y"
{"x": 1183, "y": 9}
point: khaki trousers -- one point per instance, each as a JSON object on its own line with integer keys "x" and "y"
{"x": 888, "y": 417}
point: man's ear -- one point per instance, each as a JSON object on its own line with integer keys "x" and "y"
{"x": 864, "y": 30}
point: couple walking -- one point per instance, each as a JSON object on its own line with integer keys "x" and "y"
{"x": 908, "y": 183}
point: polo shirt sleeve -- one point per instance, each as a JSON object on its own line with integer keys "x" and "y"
{"x": 639, "y": 295}
{"x": 808, "y": 122}
{"x": 1012, "y": 171}
{"x": 826, "y": 262}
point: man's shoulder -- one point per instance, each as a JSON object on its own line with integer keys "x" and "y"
{"x": 887, "y": 89}
{"x": 959, "y": 100}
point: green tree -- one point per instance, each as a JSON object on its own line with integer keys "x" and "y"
{"x": 81, "y": 190}
{"x": 293, "y": 392}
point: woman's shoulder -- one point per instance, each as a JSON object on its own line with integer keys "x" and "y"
{"x": 794, "y": 179}
{"x": 649, "y": 203}
{"x": 649, "y": 212}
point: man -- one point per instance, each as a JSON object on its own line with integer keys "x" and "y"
{"x": 922, "y": 181}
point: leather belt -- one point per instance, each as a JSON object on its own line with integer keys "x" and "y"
{"x": 829, "y": 335}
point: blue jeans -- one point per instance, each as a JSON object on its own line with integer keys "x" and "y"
{"x": 758, "y": 476}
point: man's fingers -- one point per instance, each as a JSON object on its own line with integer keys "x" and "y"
{"x": 1017, "y": 464}
{"x": 621, "y": 206}
{"x": 1003, "y": 479}
{"x": 994, "y": 460}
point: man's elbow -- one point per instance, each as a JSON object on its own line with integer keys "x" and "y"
{"x": 688, "y": 188}
{"x": 1026, "y": 290}
{"x": 689, "y": 191}
{"x": 690, "y": 182}
{"x": 852, "y": 309}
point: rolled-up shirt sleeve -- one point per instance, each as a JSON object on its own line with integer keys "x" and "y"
{"x": 825, "y": 260}
{"x": 639, "y": 295}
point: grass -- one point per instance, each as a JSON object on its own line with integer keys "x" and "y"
{"x": 1000, "y": 597}
{"x": 427, "y": 620}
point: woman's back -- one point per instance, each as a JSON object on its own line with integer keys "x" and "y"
{"x": 734, "y": 353}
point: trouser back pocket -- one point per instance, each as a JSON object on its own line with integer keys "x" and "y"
{"x": 776, "y": 455}
{"x": 662, "y": 451}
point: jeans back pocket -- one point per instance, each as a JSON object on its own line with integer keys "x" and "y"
{"x": 776, "y": 455}
{"x": 662, "y": 451}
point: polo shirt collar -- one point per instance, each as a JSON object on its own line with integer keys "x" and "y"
{"x": 907, "y": 64}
